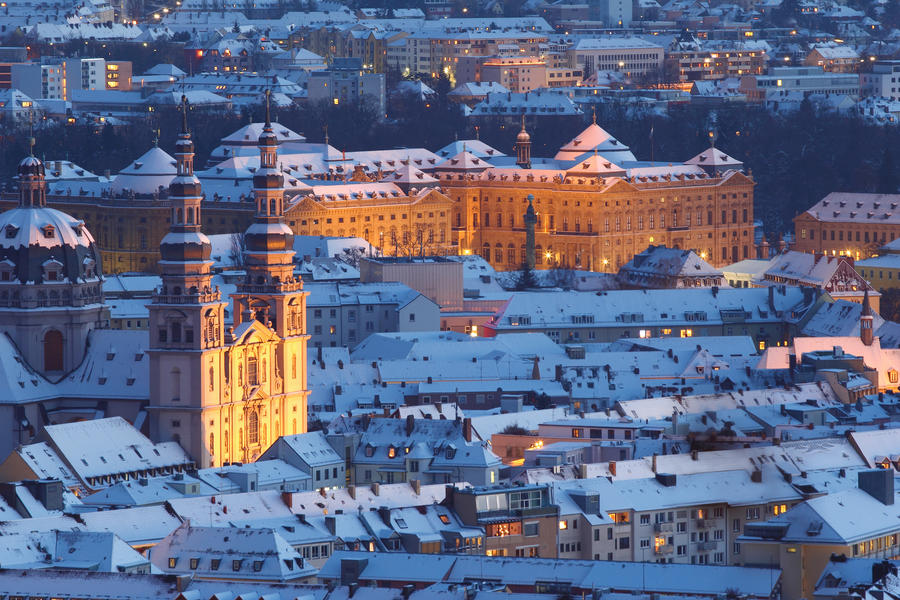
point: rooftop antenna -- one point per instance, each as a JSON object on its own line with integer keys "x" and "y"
{"x": 326, "y": 134}
{"x": 268, "y": 110}
{"x": 594, "y": 114}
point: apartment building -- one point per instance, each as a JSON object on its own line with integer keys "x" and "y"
{"x": 804, "y": 80}
{"x": 633, "y": 56}
{"x": 883, "y": 81}
{"x": 685, "y": 519}
{"x": 859, "y": 522}
{"x": 343, "y": 314}
{"x": 518, "y": 521}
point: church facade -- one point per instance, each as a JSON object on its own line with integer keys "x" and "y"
{"x": 223, "y": 391}
{"x": 226, "y": 395}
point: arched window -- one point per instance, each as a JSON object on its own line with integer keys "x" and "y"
{"x": 262, "y": 373}
{"x": 252, "y": 427}
{"x": 212, "y": 444}
{"x": 293, "y": 426}
{"x": 53, "y": 350}
{"x": 225, "y": 443}
{"x": 293, "y": 366}
{"x": 212, "y": 379}
{"x": 179, "y": 216}
{"x": 190, "y": 216}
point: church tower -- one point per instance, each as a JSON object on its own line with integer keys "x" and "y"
{"x": 866, "y": 322}
{"x": 187, "y": 342}
{"x": 523, "y": 147}
{"x": 270, "y": 312}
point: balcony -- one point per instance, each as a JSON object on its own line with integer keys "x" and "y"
{"x": 663, "y": 550}
{"x": 701, "y": 524}
{"x": 663, "y": 527}
{"x": 705, "y": 546}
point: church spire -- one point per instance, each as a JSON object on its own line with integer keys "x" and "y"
{"x": 269, "y": 253}
{"x": 866, "y": 321}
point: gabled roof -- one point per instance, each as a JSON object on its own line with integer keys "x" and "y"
{"x": 592, "y": 137}
{"x": 715, "y": 158}
{"x": 596, "y": 166}
{"x": 464, "y": 161}
{"x": 409, "y": 175}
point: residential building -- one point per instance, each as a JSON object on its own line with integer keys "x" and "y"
{"x": 882, "y": 271}
{"x": 311, "y": 453}
{"x": 883, "y": 81}
{"x": 660, "y": 267}
{"x": 575, "y": 317}
{"x": 231, "y": 554}
{"x": 834, "y": 274}
{"x": 628, "y": 55}
{"x": 834, "y": 59}
{"x": 518, "y": 521}
{"x": 389, "y": 450}
{"x": 346, "y": 80}
{"x": 344, "y": 314}
{"x": 802, "y": 80}
{"x": 857, "y": 522}
{"x": 848, "y": 224}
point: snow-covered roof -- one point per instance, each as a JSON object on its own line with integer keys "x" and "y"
{"x": 250, "y": 554}
{"x": 153, "y": 170}
{"x": 45, "y": 227}
{"x": 101, "y": 447}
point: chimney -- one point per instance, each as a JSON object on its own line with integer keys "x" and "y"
{"x": 416, "y": 486}
{"x": 582, "y": 471}
{"x": 467, "y": 429}
{"x": 756, "y": 476}
{"x": 653, "y": 468}
{"x": 695, "y": 455}
{"x": 410, "y": 424}
{"x": 288, "y": 499}
{"x": 375, "y": 488}
{"x": 612, "y": 468}
{"x": 878, "y": 483}
{"x": 351, "y": 491}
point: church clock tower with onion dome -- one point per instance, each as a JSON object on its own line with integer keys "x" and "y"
{"x": 187, "y": 338}
{"x": 270, "y": 308}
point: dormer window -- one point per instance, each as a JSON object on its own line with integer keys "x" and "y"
{"x": 49, "y": 231}
{"x": 52, "y": 270}
{"x": 11, "y": 231}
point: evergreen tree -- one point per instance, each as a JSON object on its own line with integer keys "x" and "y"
{"x": 526, "y": 279}
{"x": 887, "y": 174}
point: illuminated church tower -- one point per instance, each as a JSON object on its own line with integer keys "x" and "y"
{"x": 270, "y": 303}
{"x": 225, "y": 396}
{"x": 186, "y": 324}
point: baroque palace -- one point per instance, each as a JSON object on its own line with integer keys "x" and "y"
{"x": 223, "y": 393}
{"x": 596, "y": 204}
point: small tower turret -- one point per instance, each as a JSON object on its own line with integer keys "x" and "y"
{"x": 523, "y": 147}
{"x": 866, "y": 322}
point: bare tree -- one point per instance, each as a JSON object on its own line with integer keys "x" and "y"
{"x": 237, "y": 250}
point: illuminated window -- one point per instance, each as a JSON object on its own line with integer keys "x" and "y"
{"x": 563, "y": 525}
{"x": 686, "y": 333}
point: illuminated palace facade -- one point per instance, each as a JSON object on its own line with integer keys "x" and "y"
{"x": 597, "y": 207}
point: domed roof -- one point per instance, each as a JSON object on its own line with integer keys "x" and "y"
{"x": 31, "y": 237}
{"x": 523, "y": 136}
{"x": 30, "y": 166}
{"x": 46, "y": 227}
{"x": 145, "y": 175}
